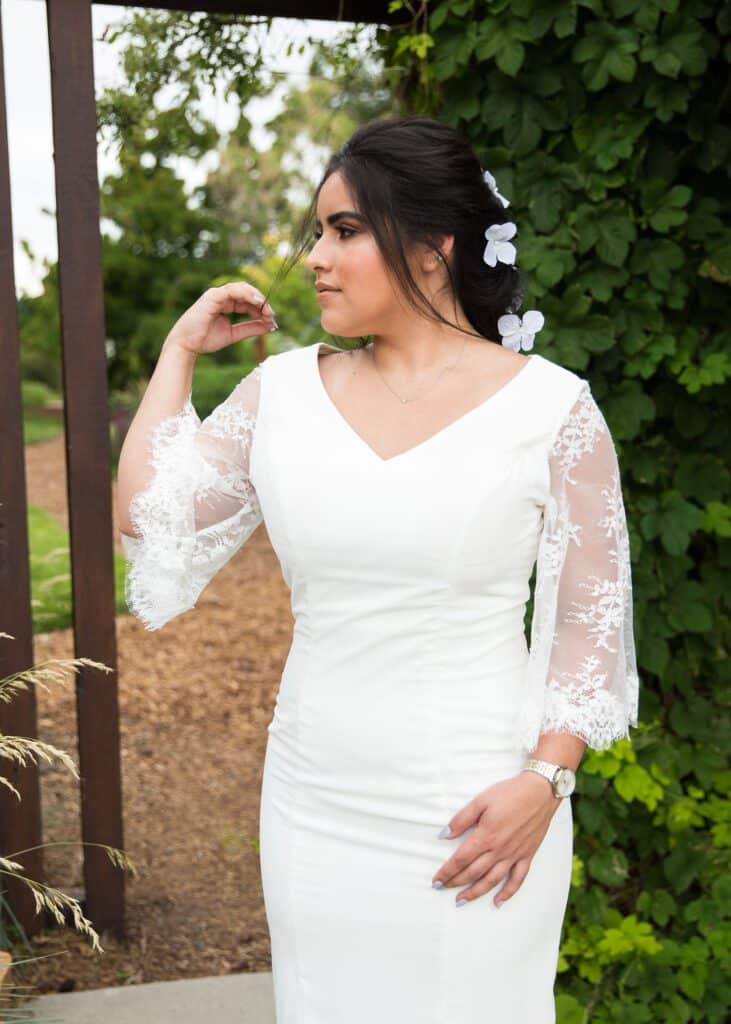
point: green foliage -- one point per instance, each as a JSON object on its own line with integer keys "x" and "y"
{"x": 162, "y": 247}
{"x": 602, "y": 123}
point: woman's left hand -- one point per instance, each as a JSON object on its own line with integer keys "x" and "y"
{"x": 511, "y": 818}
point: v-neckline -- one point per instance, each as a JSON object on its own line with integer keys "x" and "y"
{"x": 432, "y": 438}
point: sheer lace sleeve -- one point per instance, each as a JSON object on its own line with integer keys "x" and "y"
{"x": 582, "y": 674}
{"x": 198, "y": 508}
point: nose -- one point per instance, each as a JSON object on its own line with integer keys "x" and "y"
{"x": 316, "y": 259}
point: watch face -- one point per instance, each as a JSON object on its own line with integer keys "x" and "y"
{"x": 565, "y": 782}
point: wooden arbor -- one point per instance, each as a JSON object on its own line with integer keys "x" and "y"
{"x": 88, "y": 460}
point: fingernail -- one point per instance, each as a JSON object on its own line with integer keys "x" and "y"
{"x": 461, "y": 903}
{"x": 445, "y": 833}
{"x": 437, "y": 885}
{"x": 276, "y": 325}
{"x": 499, "y": 905}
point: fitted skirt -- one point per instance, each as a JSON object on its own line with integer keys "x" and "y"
{"x": 360, "y": 775}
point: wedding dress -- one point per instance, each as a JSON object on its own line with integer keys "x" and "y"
{"x": 409, "y": 686}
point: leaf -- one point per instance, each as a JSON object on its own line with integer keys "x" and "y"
{"x": 679, "y": 519}
{"x": 608, "y": 867}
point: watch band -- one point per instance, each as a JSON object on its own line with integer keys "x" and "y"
{"x": 553, "y": 773}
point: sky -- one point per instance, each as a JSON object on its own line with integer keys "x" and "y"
{"x": 30, "y": 137}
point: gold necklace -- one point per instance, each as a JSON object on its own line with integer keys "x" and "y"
{"x": 405, "y": 400}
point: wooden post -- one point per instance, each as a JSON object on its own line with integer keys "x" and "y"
{"x": 20, "y": 822}
{"x": 88, "y": 455}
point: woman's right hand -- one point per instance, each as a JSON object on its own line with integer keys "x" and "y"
{"x": 205, "y": 328}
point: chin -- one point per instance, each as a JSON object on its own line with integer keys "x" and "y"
{"x": 341, "y": 330}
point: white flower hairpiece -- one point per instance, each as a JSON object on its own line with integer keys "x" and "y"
{"x": 517, "y": 334}
{"x": 498, "y": 247}
{"x": 492, "y": 185}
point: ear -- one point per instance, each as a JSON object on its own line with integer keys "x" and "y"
{"x": 443, "y": 246}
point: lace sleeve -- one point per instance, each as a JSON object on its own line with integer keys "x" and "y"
{"x": 582, "y": 674}
{"x": 198, "y": 508}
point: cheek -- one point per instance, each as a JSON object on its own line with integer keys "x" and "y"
{"x": 363, "y": 273}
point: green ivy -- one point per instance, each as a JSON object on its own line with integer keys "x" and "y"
{"x": 603, "y": 123}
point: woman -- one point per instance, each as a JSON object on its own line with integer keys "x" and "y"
{"x": 420, "y": 758}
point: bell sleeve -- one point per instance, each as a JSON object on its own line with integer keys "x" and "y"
{"x": 581, "y": 671}
{"x": 198, "y": 507}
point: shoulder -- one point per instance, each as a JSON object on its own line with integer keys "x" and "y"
{"x": 556, "y": 390}
{"x": 566, "y": 381}
{"x": 289, "y": 362}
{"x": 287, "y": 358}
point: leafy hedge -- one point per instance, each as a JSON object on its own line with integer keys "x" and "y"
{"x": 603, "y": 124}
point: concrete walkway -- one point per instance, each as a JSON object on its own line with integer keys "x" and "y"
{"x": 230, "y": 999}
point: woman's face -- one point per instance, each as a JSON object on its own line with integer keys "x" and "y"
{"x": 345, "y": 257}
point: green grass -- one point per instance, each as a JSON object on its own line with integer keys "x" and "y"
{"x": 50, "y": 573}
{"x": 40, "y": 428}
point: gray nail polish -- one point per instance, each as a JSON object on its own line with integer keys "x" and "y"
{"x": 445, "y": 833}
{"x": 499, "y": 905}
{"x": 461, "y": 903}
{"x": 437, "y": 885}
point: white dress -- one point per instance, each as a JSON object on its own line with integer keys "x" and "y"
{"x": 409, "y": 686}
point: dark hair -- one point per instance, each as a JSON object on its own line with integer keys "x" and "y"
{"x": 415, "y": 180}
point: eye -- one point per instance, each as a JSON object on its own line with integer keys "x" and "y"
{"x": 350, "y": 231}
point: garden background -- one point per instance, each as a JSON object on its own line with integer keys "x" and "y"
{"x": 605, "y": 124}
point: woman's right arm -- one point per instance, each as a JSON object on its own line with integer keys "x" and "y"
{"x": 166, "y": 393}
{"x": 185, "y": 500}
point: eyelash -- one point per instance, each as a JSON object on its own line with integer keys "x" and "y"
{"x": 316, "y": 234}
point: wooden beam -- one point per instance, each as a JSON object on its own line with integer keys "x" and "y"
{"x": 372, "y": 12}
{"x": 20, "y": 822}
{"x": 88, "y": 450}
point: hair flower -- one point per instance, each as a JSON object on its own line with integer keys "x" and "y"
{"x": 492, "y": 185}
{"x": 498, "y": 247}
{"x": 517, "y": 334}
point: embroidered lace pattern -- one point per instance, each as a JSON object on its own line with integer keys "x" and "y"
{"x": 582, "y": 674}
{"x": 198, "y": 507}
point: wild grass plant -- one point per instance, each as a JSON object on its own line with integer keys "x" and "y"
{"x": 21, "y": 750}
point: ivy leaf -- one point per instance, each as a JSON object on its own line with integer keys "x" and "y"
{"x": 667, "y": 99}
{"x": 608, "y": 141}
{"x": 678, "y": 520}
{"x": 717, "y": 519}
{"x": 669, "y": 210}
{"x": 608, "y": 867}
{"x": 606, "y": 51}
{"x": 686, "y": 608}
{"x": 438, "y": 16}
{"x": 678, "y": 48}
{"x": 682, "y": 866}
{"x": 633, "y": 782}
{"x": 569, "y": 1010}
{"x": 701, "y": 476}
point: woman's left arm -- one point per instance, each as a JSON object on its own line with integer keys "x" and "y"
{"x": 581, "y": 687}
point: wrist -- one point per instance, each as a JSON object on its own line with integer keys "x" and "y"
{"x": 178, "y": 350}
{"x": 539, "y": 782}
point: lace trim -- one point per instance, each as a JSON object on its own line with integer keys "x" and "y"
{"x": 595, "y": 695}
{"x": 175, "y": 556}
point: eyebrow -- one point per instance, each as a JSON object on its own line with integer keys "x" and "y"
{"x": 340, "y": 214}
